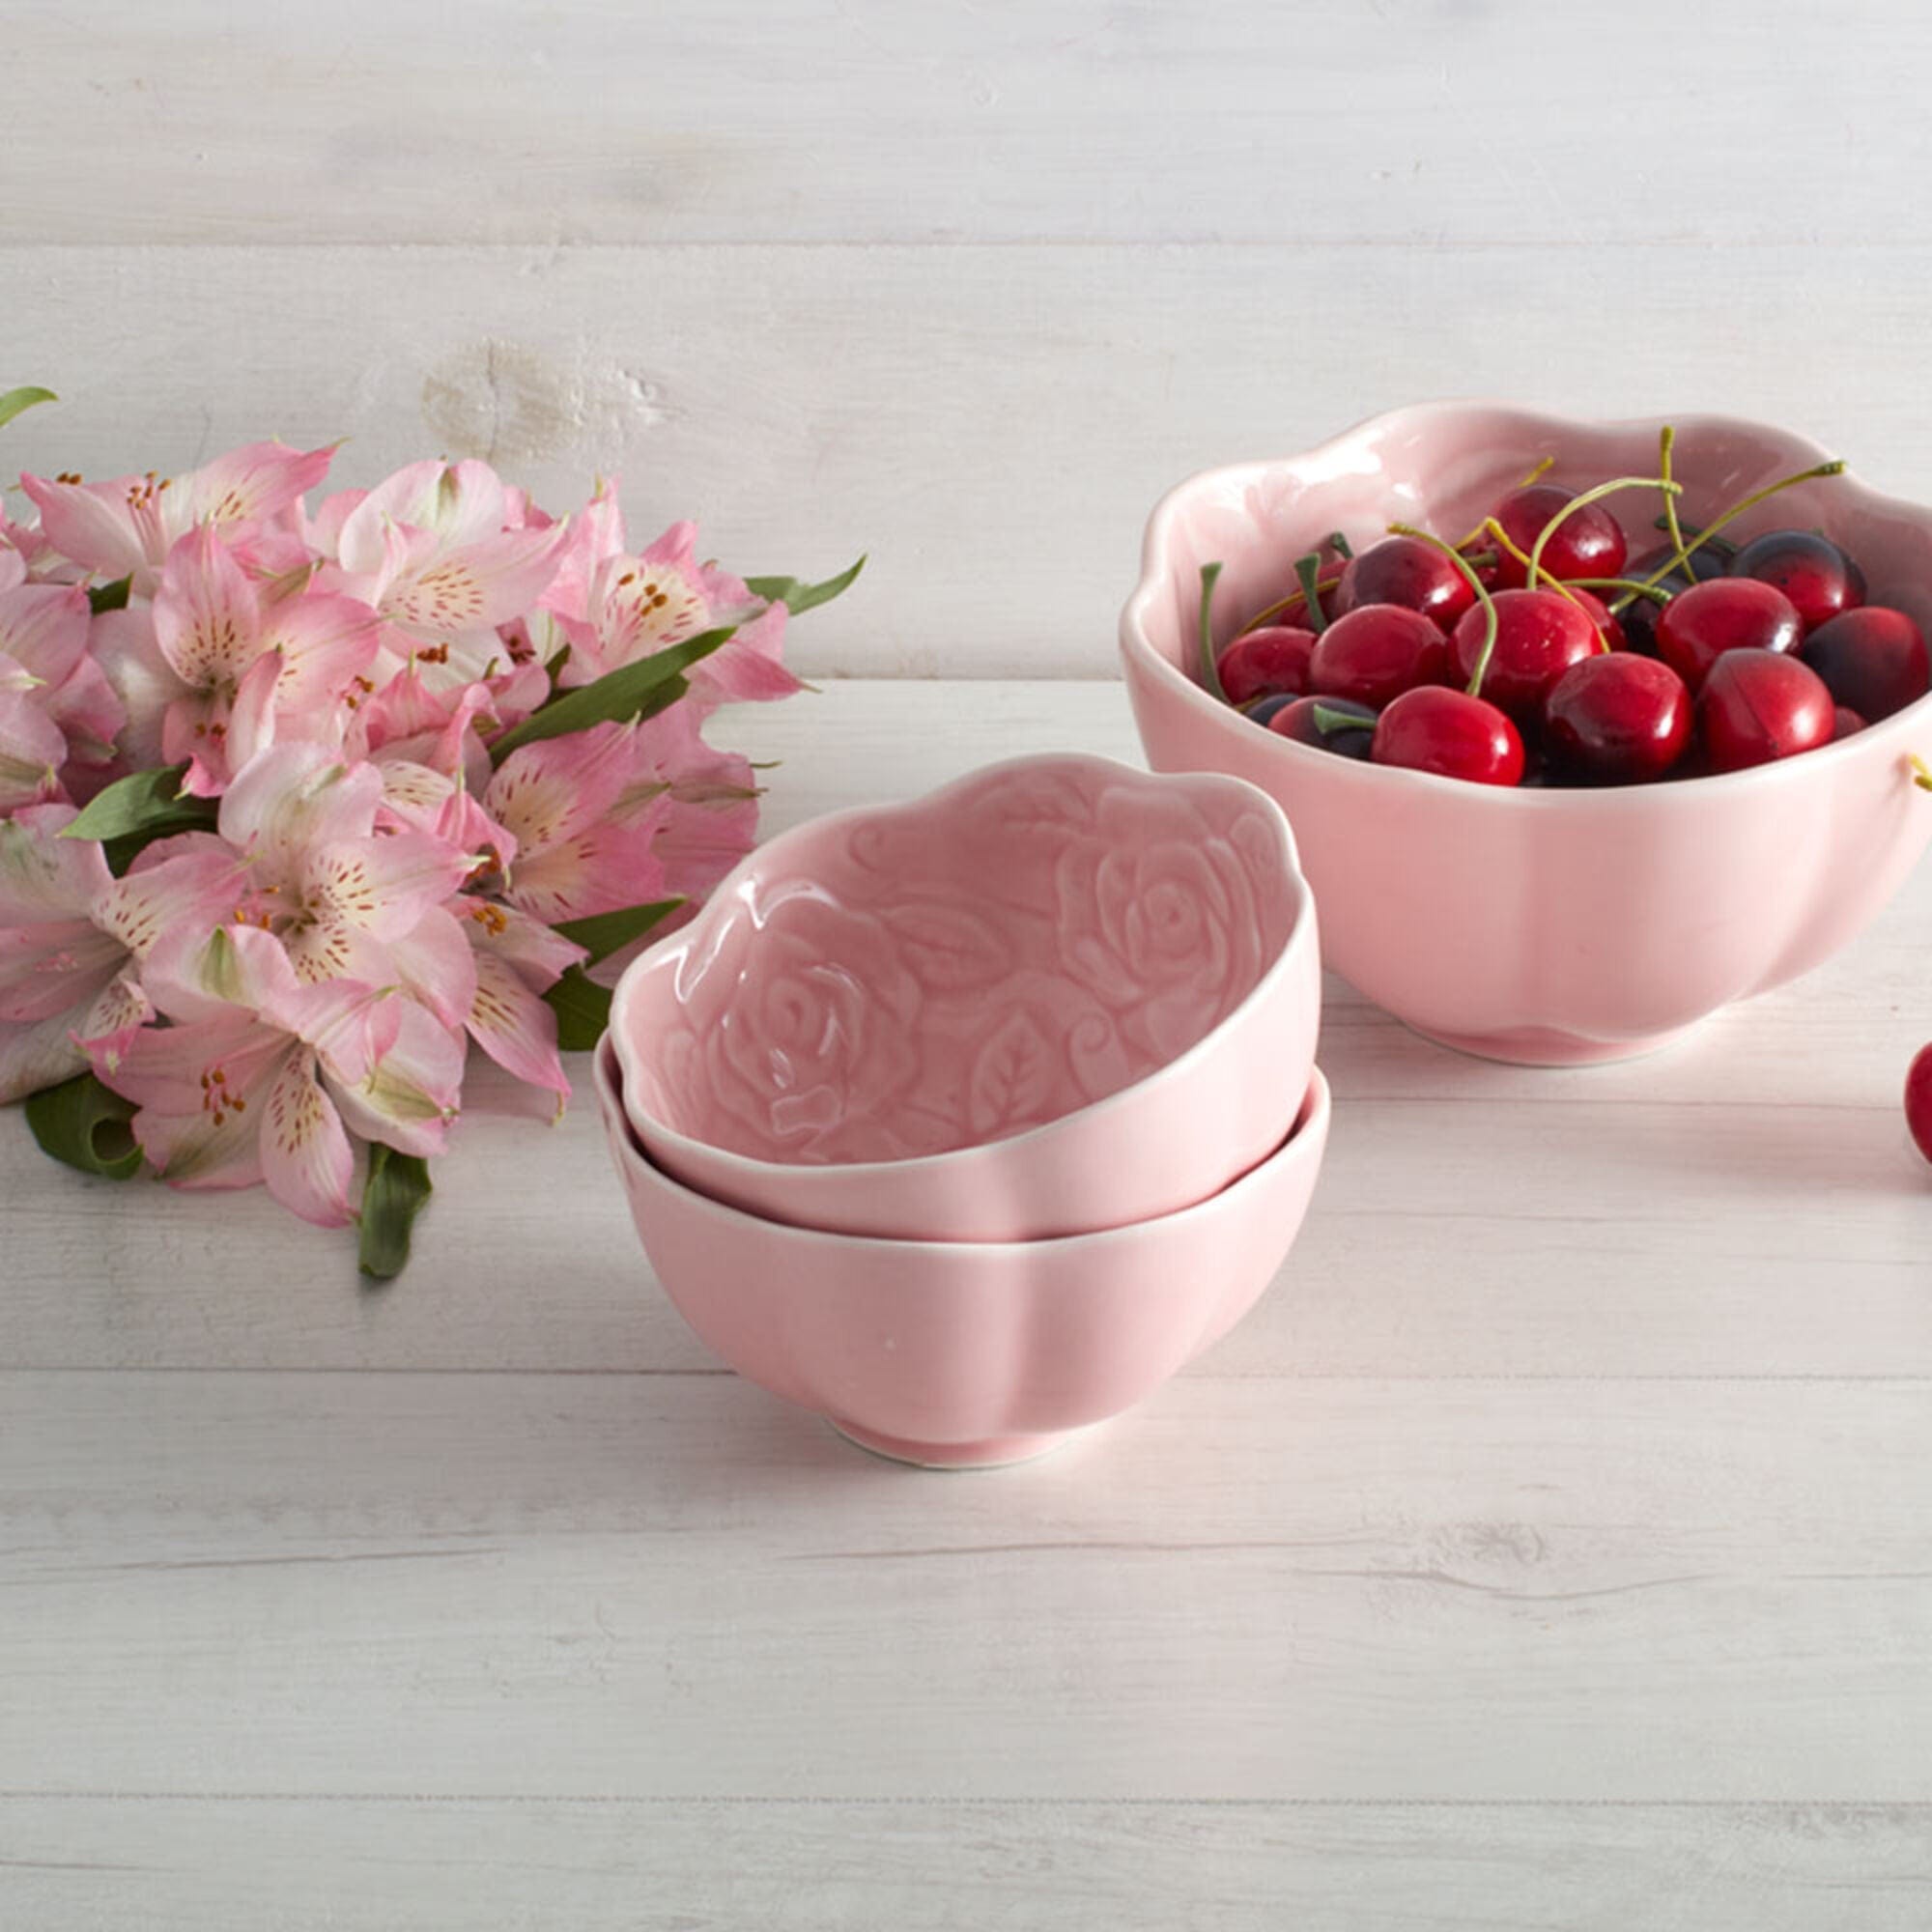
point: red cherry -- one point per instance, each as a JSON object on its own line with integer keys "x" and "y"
{"x": 1844, "y": 722}
{"x": 1728, "y": 613}
{"x": 1588, "y": 544}
{"x": 1919, "y": 1100}
{"x": 1259, "y": 664}
{"x": 1599, "y": 614}
{"x": 1411, "y": 573}
{"x": 1760, "y": 705}
{"x": 1324, "y": 723}
{"x": 1540, "y": 634}
{"x": 1639, "y": 618}
{"x": 1812, "y": 571}
{"x": 1617, "y": 719}
{"x": 1376, "y": 653}
{"x": 1873, "y": 660}
{"x": 1432, "y": 728}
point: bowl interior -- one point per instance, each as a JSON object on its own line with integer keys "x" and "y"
{"x": 1442, "y": 467}
{"x": 909, "y": 981}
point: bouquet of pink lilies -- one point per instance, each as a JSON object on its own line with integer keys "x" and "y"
{"x": 299, "y": 806}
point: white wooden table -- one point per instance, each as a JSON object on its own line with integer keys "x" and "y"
{"x": 1550, "y": 1548}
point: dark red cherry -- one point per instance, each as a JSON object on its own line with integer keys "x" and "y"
{"x": 1263, "y": 709}
{"x": 1329, "y": 724}
{"x": 1540, "y": 634}
{"x": 1640, "y": 620}
{"x": 1432, "y": 728}
{"x": 1411, "y": 573}
{"x": 1846, "y": 722}
{"x": 1812, "y": 571}
{"x": 1377, "y": 652}
{"x": 1727, "y": 614}
{"x": 1760, "y": 705}
{"x": 1617, "y": 719}
{"x": 1919, "y": 1100}
{"x": 1588, "y": 544}
{"x": 1874, "y": 660}
{"x": 1259, "y": 664}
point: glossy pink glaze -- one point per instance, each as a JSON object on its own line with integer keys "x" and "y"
{"x": 1546, "y": 926}
{"x": 959, "y": 1354}
{"x": 1056, "y": 996}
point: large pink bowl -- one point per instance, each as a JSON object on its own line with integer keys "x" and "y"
{"x": 1056, "y": 996}
{"x": 958, "y": 1354}
{"x": 1546, "y": 926}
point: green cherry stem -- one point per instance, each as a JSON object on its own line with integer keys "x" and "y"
{"x": 1666, "y": 436}
{"x": 1483, "y": 597}
{"x": 1210, "y": 671}
{"x": 1654, "y": 593}
{"x": 1576, "y": 503}
{"x": 1339, "y": 544}
{"x": 1556, "y": 584}
{"x": 1681, "y": 556}
{"x": 1308, "y": 569}
{"x": 1281, "y": 606}
{"x": 1921, "y": 773}
{"x": 1327, "y": 719}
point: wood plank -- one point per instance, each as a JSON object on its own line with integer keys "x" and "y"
{"x": 587, "y": 1585}
{"x": 1472, "y": 1219}
{"x": 991, "y": 424}
{"x": 859, "y": 120}
{"x": 182, "y": 1865}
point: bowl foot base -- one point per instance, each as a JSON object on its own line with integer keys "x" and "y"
{"x": 1544, "y": 1046}
{"x": 996, "y": 1452}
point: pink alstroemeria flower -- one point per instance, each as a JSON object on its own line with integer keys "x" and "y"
{"x": 127, "y": 527}
{"x": 261, "y": 1078}
{"x": 73, "y": 937}
{"x": 343, "y": 899}
{"x": 517, "y": 959}
{"x": 430, "y": 550}
{"x": 247, "y": 669}
{"x": 637, "y": 606}
{"x": 585, "y": 809}
{"x": 44, "y": 663}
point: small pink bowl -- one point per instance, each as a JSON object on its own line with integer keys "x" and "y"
{"x": 1544, "y": 926}
{"x": 970, "y": 1354}
{"x": 1057, "y": 996}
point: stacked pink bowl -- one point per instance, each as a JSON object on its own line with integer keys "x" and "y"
{"x": 966, "y": 1122}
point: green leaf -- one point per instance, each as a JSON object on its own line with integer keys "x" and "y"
{"x": 603, "y": 933}
{"x": 134, "y": 802}
{"x": 797, "y": 597}
{"x": 395, "y": 1193}
{"x": 110, "y": 596}
{"x": 583, "y": 1009}
{"x": 23, "y": 398}
{"x": 631, "y": 690}
{"x": 85, "y": 1124}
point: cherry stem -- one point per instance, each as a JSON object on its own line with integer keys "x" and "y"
{"x": 1483, "y": 597}
{"x": 1281, "y": 605}
{"x": 1576, "y": 503}
{"x": 1309, "y": 570}
{"x": 1339, "y": 544}
{"x": 1656, "y": 594}
{"x": 1921, "y": 773}
{"x": 1328, "y": 719}
{"x": 1666, "y": 436}
{"x": 1682, "y": 556}
{"x": 1210, "y": 671}
{"x": 1548, "y": 464}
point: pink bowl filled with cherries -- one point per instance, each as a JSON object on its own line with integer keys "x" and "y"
{"x": 1058, "y": 995}
{"x": 1620, "y": 725}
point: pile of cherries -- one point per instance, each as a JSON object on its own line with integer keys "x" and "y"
{"x": 1536, "y": 652}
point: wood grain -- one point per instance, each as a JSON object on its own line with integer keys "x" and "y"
{"x": 991, "y": 424}
{"x": 1405, "y": 121}
{"x": 436, "y": 1865}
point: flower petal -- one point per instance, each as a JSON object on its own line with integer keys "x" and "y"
{"x": 184, "y": 896}
{"x": 382, "y": 886}
{"x": 32, "y": 752}
{"x": 516, "y": 1028}
{"x": 306, "y": 1159}
{"x": 292, "y": 796}
{"x": 52, "y": 968}
{"x": 258, "y": 480}
{"x": 43, "y": 875}
{"x": 43, "y": 628}
{"x": 409, "y": 1098}
{"x": 606, "y": 867}
{"x": 92, "y": 523}
{"x": 437, "y": 965}
{"x": 549, "y": 792}
{"x": 474, "y": 588}
{"x": 208, "y": 618}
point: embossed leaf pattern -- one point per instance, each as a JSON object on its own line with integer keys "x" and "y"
{"x": 1011, "y": 1077}
{"x": 946, "y": 948}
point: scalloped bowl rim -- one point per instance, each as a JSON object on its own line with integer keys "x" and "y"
{"x": 1307, "y": 1132}
{"x": 658, "y": 959}
{"x": 1135, "y": 642}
